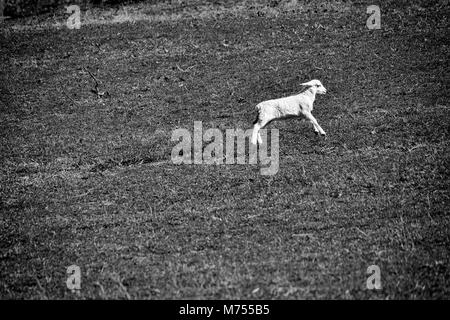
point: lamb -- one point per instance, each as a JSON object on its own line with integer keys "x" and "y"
{"x": 299, "y": 105}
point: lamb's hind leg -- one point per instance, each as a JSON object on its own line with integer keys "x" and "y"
{"x": 256, "y": 136}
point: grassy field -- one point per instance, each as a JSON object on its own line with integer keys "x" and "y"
{"x": 87, "y": 179}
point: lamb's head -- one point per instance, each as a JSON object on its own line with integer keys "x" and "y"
{"x": 317, "y": 85}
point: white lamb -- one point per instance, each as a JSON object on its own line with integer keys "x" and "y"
{"x": 299, "y": 105}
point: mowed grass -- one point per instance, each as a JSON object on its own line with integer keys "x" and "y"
{"x": 88, "y": 180}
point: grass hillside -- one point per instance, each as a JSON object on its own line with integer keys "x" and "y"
{"x": 87, "y": 178}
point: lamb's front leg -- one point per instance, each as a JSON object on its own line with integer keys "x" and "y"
{"x": 316, "y": 131}
{"x": 317, "y": 127}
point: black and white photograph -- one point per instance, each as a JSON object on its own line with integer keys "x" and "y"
{"x": 242, "y": 151}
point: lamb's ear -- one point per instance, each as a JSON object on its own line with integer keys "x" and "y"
{"x": 308, "y": 84}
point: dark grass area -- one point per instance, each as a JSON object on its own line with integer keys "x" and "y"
{"x": 89, "y": 181}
